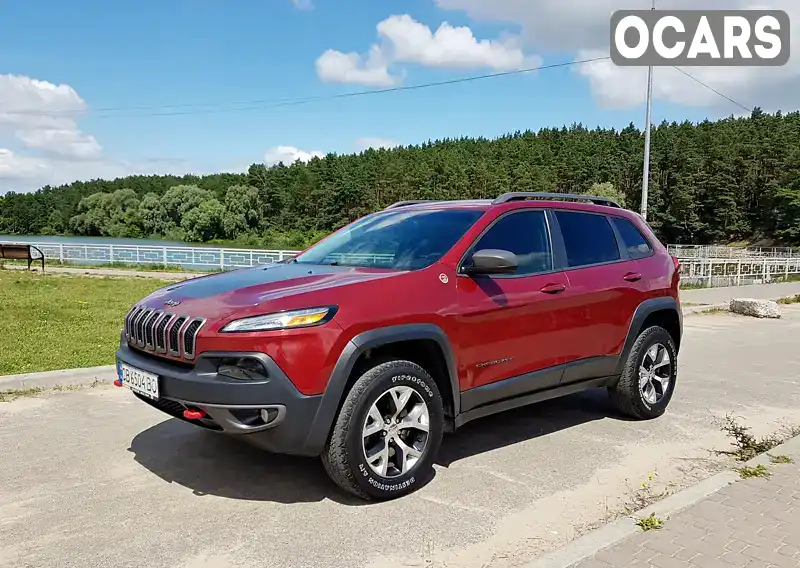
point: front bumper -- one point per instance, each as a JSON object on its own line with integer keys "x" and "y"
{"x": 233, "y": 406}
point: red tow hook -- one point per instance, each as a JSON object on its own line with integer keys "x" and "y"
{"x": 193, "y": 414}
{"x": 118, "y": 383}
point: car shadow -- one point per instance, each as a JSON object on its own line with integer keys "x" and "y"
{"x": 215, "y": 464}
{"x": 526, "y": 423}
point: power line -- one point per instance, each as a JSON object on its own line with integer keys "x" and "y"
{"x": 727, "y": 98}
{"x": 277, "y": 103}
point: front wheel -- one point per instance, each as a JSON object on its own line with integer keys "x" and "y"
{"x": 648, "y": 381}
{"x": 388, "y": 432}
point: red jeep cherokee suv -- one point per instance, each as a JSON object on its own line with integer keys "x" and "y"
{"x": 408, "y": 323}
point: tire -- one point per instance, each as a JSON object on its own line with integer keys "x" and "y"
{"x": 345, "y": 454}
{"x": 637, "y": 400}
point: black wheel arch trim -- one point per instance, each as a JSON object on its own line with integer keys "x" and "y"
{"x": 335, "y": 391}
{"x": 650, "y": 306}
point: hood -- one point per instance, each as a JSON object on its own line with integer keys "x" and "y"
{"x": 220, "y": 295}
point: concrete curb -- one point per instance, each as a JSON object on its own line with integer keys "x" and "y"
{"x": 613, "y": 533}
{"x": 690, "y": 310}
{"x": 52, "y": 379}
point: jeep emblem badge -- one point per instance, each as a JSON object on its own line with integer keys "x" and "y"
{"x": 443, "y": 278}
{"x": 172, "y": 303}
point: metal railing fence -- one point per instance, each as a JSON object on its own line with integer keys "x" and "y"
{"x": 199, "y": 258}
{"x": 700, "y": 265}
{"x": 722, "y": 251}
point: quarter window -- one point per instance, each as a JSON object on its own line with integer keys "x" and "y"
{"x": 635, "y": 243}
{"x": 588, "y": 238}
{"x": 524, "y": 234}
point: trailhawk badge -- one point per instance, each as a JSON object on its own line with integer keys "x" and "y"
{"x": 443, "y": 278}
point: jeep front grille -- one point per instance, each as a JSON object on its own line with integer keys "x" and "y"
{"x": 162, "y": 332}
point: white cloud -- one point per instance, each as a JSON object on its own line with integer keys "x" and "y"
{"x": 581, "y": 28}
{"x": 371, "y": 142}
{"x": 22, "y": 173}
{"x": 43, "y": 116}
{"x": 13, "y": 167}
{"x": 288, "y": 155}
{"x": 337, "y": 67}
{"x": 405, "y": 40}
{"x": 303, "y": 4}
{"x": 414, "y": 42}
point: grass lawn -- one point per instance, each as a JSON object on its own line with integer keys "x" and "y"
{"x": 50, "y": 321}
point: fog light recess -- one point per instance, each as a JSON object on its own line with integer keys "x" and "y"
{"x": 268, "y": 414}
{"x": 243, "y": 369}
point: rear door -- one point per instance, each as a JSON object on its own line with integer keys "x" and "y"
{"x": 510, "y": 325}
{"x": 605, "y": 284}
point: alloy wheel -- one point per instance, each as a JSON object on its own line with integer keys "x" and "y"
{"x": 655, "y": 373}
{"x": 395, "y": 432}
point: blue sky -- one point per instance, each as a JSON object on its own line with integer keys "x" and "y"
{"x": 118, "y": 55}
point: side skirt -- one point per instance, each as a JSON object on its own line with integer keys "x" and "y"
{"x": 525, "y": 400}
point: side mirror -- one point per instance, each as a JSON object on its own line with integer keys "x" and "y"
{"x": 492, "y": 261}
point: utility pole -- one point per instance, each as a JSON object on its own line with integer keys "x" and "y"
{"x": 646, "y": 175}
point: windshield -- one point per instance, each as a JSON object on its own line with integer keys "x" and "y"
{"x": 397, "y": 239}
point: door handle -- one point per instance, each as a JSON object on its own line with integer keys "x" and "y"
{"x": 553, "y": 288}
{"x": 632, "y": 277}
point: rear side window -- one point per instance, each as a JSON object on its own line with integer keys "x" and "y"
{"x": 588, "y": 239}
{"x": 634, "y": 241}
{"x": 524, "y": 234}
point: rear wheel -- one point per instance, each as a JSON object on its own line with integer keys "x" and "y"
{"x": 645, "y": 388}
{"x": 388, "y": 432}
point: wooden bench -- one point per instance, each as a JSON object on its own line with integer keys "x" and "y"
{"x": 21, "y": 252}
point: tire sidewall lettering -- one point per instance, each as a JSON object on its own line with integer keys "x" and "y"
{"x": 363, "y": 473}
{"x": 416, "y": 381}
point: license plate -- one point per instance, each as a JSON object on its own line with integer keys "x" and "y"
{"x": 139, "y": 381}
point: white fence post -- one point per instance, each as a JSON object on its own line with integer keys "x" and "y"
{"x": 164, "y": 256}
{"x": 61, "y": 253}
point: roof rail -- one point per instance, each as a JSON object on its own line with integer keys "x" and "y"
{"x": 522, "y": 195}
{"x": 407, "y": 203}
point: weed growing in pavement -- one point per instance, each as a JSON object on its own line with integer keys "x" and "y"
{"x": 650, "y": 523}
{"x": 748, "y": 472}
{"x": 11, "y": 395}
{"x": 790, "y": 300}
{"x": 748, "y": 446}
{"x": 644, "y": 495}
{"x": 780, "y": 459}
{"x": 712, "y": 312}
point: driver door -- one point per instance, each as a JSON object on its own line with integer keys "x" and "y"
{"x": 514, "y": 324}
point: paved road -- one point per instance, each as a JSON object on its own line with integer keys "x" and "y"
{"x": 96, "y": 478}
{"x": 724, "y": 295}
{"x": 750, "y": 524}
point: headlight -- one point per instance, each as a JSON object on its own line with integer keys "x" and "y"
{"x": 283, "y": 320}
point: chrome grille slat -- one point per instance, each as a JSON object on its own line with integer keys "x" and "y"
{"x": 190, "y": 337}
{"x": 161, "y": 331}
{"x": 175, "y": 335}
{"x": 128, "y": 322}
{"x": 138, "y": 330}
{"x": 149, "y": 329}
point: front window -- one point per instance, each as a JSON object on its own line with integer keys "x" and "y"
{"x": 396, "y": 239}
